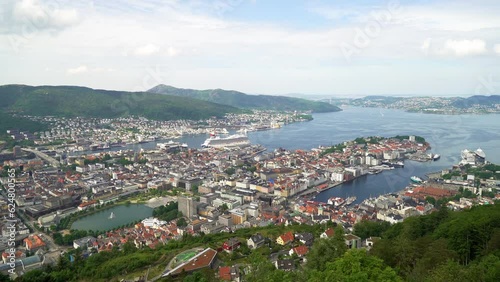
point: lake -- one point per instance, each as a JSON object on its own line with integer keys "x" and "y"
{"x": 124, "y": 214}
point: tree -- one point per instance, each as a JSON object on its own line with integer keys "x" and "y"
{"x": 261, "y": 267}
{"x": 194, "y": 189}
{"x": 430, "y": 200}
{"x": 366, "y": 228}
{"x": 37, "y": 275}
{"x": 181, "y": 222}
{"x": 129, "y": 247}
{"x": 326, "y": 250}
{"x": 4, "y": 278}
{"x": 356, "y": 265}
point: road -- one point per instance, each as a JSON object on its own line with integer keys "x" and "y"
{"x": 53, "y": 162}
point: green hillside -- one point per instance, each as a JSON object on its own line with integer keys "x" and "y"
{"x": 242, "y": 100}
{"x": 7, "y": 121}
{"x": 71, "y": 101}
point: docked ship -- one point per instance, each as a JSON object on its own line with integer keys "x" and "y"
{"x": 235, "y": 140}
{"x": 416, "y": 179}
{"x": 336, "y": 201}
{"x": 350, "y": 200}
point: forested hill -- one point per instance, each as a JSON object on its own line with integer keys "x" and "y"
{"x": 71, "y": 101}
{"x": 242, "y": 100}
{"x": 442, "y": 246}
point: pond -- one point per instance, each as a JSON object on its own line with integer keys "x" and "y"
{"x": 113, "y": 217}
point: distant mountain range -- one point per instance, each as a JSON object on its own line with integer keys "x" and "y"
{"x": 427, "y": 104}
{"x": 73, "y": 101}
{"x": 246, "y": 101}
{"x": 477, "y": 100}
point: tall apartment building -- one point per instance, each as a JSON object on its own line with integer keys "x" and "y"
{"x": 187, "y": 206}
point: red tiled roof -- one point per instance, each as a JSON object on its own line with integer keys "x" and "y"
{"x": 34, "y": 242}
{"x": 300, "y": 250}
{"x": 287, "y": 237}
{"x": 330, "y": 232}
{"x": 225, "y": 273}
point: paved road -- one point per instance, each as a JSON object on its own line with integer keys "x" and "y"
{"x": 53, "y": 162}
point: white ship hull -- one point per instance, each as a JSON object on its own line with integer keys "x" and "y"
{"x": 236, "y": 140}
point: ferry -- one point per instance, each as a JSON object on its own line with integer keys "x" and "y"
{"x": 168, "y": 145}
{"x": 416, "y": 179}
{"x": 336, "y": 201}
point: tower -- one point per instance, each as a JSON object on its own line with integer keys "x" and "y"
{"x": 186, "y": 206}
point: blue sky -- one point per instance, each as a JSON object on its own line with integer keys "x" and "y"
{"x": 340, "y": 48}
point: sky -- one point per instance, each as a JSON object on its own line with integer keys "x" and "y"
{"x": 342, "y": 48}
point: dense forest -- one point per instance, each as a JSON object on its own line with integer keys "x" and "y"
{"x": 442, "y": 246}
{"x": 73, "y": 101}
{"x": 245, "y": 101}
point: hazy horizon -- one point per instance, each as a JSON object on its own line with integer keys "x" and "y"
{"x": 319, "y": 48}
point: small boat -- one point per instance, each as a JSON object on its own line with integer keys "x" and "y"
{"x": 112, "y": 215}
{"x": 350, "y": 200}
{"x": 416, "y": 179}
{"x": 436, "y": 157}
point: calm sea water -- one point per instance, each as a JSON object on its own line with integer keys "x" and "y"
{"x": 447, "y": 134}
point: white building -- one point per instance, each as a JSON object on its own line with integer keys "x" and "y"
{"x": 153, "y": 222}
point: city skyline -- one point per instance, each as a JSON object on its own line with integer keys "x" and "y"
{"x": 445, "y": 48}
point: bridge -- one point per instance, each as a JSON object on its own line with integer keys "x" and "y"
{"x": 53, "y": 162}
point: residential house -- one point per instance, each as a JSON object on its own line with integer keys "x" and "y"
{"x": 300, "y": 250}
{"x": 285, "y": 238}
{"x": 328, "y": 233}
{"x": 229, "y": 273}
{"x": 256, "y": 241}
{"x": 305, "y": 238}
{"x": 352, "y": 241}
{"x": 285, "y": 264}
{"x": 84, "y": 243}
{"x": 231, "y": 244}
{"x": 370, "y": 241}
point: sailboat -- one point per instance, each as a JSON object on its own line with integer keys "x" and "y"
{"x": 112, "y": 215}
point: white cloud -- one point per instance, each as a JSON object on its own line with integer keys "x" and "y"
{"x": 464, "y": 47}
{"x": 450, "y": 16}
{"x": 147, "y": 50}
{"x": 35, "y": 15}
{"x": 77, "y": 70}
{"x": 84, "y": 69}
{"x": 496, "y": 48}
{"x": 131, "y": 36}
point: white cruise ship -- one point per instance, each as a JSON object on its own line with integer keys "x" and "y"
{"x": 230, "y": 141}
